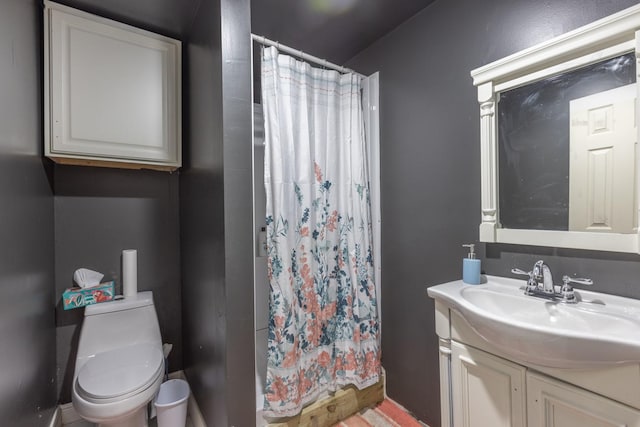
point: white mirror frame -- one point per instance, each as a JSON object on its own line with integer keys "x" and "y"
{"x": 606, "y": 38}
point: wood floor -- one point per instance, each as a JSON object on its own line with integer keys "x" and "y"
{"x": 386, "y": 414}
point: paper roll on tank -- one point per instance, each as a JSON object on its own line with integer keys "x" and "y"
{"x": 129, "y": 272}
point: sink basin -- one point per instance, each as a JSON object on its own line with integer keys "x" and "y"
{"x": 547, "y": 333}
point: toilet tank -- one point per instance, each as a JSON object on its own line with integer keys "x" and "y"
{"x": 117, "y": 324}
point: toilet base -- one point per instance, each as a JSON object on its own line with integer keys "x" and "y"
{"x": 137, "y": 419}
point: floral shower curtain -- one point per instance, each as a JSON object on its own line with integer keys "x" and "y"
{"x": 323, "y": 325}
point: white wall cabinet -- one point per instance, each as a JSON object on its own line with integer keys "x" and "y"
{"x": 112, "y": 92}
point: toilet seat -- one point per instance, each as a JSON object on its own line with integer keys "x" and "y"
{"x": 118, "y": 374}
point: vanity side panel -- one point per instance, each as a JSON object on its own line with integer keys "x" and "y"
{"x": 443, "y": 328}
{"x": 446, "y": 416}
{"x": 442, "y": 321}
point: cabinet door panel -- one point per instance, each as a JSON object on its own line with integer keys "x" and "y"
{"x": 487, "y": 390}
{"x": 551, "y": 403}
{"x": 113, "y": 91}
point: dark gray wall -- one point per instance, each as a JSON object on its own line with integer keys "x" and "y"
{"x": 431, "y": 171}
{"x": 169, "y": 17}
{"x": 216, "y": 216}
{"x": 202, "y": 219}
{"x": 237, "y": 107}
{"x": 27, "y": 322}
{"x": 98, "y": 213}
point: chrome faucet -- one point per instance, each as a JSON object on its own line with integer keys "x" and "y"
{"x": 542, "y": 273}
{"x": 540, "y": 283}
{"x": 540, "y": 280}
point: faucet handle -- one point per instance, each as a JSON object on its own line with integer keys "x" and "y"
{"x": 521, "y": 272}
{"x": 567, "y": 293}
{"x": 566, "y": 280}
{"x": 532, "y": 285}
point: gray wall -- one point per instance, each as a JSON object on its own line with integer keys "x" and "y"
{"x": 27, "y": 322}
{"x": 431, "y": 171}
{"x": 216, "y": 216}
{"x": 238, "y": 208}
{"x": 98, "y": 213}
{"x": 202, "y": 219}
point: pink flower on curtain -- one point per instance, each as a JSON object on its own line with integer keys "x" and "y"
{"x": 318, "y": 172}
{"x": 278, "y": 390}
{"x": 332, "y": 221}
{"x": 324, "y": 359}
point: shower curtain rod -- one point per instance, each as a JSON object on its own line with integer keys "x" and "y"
{"x": 300, "y": 54}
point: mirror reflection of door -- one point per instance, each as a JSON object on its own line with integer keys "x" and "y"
{"x": 603, "y": 141}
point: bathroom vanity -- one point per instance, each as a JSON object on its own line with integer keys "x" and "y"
{"x": 509, "y": 359}
{"x": 559, "y": 168}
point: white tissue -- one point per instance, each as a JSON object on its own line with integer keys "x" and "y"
{"x": 129, "y": 273}
{"x": 86, "y": 278}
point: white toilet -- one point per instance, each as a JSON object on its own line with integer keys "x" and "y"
{"x": 120, "y": 364}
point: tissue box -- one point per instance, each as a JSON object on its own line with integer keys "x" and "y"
{"x": 79, "y": 297}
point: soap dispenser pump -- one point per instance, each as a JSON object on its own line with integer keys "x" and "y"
{"x": 471, "y": 267}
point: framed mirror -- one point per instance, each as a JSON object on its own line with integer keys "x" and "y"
{"x": 559, "y": 140}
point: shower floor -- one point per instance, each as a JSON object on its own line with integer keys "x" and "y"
{"x": 385, "y": 414}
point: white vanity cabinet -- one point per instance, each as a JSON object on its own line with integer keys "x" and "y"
{"x": 112, "y": 92}
{"x": 481, "y": 386}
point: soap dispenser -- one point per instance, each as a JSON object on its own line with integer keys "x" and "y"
{"x": 471, "y": 267}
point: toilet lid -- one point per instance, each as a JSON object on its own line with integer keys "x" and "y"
{"x": 121, "y": 371}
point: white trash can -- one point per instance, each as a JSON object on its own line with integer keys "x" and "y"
{"x": 171, "y": 403}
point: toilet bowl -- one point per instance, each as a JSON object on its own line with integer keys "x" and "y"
{"x": 120, "y": 364}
